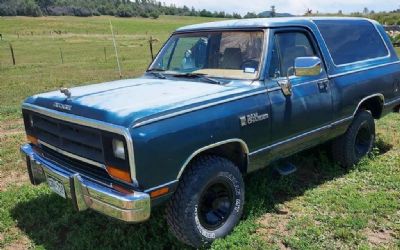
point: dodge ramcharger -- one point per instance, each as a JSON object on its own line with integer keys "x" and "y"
{"x": 220, "y": 100}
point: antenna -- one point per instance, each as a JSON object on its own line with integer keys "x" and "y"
{"x": 116, "y": 50}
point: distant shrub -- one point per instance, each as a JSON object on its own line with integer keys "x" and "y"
{"x": 251, "y": 15}
{"x": 124, "y": 11}
{"x": 96, "y": 13}
{"x": 396, "y": 39}
{"x": 32, "y": 9}
{"x": 206, "y": 13}
{"x": 236, "y": 16}
{"x": 144, "y": 14}
{"x": 59, "y": 11}
{"x": 81, "y": 11}
{"x": 155, "y": 14}
{"x": 7, "y": 10}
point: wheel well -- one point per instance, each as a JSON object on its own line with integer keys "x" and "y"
{"x": 373, "y": 104}
{"x": 233, "y": 151}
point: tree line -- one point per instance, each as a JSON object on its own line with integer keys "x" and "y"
{"x": 385, "y": 17}
{"x": 120, "y": 8}
{"x": 149, "y": 8}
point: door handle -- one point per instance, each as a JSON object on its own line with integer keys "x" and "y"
{"x": 323, "y": 85}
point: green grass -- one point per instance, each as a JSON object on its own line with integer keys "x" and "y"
{"x": 319, "y": 207}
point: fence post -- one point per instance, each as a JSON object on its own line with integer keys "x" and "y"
{"x": 105, "y": 54}
{"x": 62, "y": 56}
{"x": 12, "y": 54}
{"x": 116, "y": 50}
{"x": 151, "y": 48}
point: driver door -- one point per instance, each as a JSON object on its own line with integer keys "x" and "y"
{"x": 298, "y": 119}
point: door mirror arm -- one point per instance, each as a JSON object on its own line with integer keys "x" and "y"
{"x": 285, "y": 84}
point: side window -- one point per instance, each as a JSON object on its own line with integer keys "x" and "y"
{"x": 351, "y": 41}
{"x": 287, "y": 47}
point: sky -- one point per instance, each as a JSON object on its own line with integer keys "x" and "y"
{"x": 292, "y": 6}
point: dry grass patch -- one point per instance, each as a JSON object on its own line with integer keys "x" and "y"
{"x": 11, "y": 127}
{"x": 379, "y": 237}
{"x": 273, "y": 228}
{"x": 17, "y": 240}
{"x": 12, "y": 178}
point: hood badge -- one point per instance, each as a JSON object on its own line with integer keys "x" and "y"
{"x": 66, "y": 92}
{"x": 62, "y": 106}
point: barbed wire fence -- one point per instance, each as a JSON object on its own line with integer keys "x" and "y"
{"x": 63, "y": 48}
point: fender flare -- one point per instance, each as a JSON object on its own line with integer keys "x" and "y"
{"x": 210, "y": 146}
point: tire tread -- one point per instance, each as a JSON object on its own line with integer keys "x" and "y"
{"x": 176, "y": 209}
{"x": 343, "y": 145}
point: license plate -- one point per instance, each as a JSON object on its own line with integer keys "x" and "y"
{"x": 56, "y": 186}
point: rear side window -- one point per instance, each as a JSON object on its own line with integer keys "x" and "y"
{"x": 352, "y": 41}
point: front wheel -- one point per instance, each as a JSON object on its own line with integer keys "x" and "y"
{"x": 208, "y": 202}
{"x": 357, "y": 142}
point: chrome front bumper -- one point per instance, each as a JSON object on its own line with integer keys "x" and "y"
{"x": 86, "y": 193}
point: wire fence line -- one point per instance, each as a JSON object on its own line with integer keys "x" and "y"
{"x": 79, "y": 49}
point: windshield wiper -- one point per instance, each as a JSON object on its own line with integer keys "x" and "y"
{"x": 157, "y": 73}
{"x": 200, "y": 76}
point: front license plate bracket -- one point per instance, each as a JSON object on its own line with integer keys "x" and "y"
{"x": 56, "y": 186}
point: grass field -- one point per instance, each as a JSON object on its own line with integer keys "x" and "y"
{"x": 319, "y": 207}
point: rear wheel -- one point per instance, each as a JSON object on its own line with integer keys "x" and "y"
{"x": 208, "y": 202}
{"x": 357, "y": 142}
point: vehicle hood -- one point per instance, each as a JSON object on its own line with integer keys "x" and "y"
{"x": 127, "y": 102}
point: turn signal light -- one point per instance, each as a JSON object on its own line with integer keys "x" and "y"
{"x": 119, "y": 174}
{"x": 32, "y": 139}
{"x": 159, "y": 192}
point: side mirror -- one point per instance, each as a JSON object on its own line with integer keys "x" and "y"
{"x": 307, "y": 66}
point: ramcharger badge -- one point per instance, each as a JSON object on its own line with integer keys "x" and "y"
{"x": 252, "y": 118}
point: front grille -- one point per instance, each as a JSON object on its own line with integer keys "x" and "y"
{"x": 76, "y": 139}
{"x": 88, "y": 149}
{"x": 76, "y": 165}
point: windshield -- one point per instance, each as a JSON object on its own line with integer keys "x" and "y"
{"x": 231, "y": 54}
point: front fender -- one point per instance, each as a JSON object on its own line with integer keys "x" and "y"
{"x": 163, "y": 149}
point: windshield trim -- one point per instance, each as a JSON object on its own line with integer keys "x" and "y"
{"x": 263, "y": 58}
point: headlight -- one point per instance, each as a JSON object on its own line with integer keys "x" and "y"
{"x": 118, "y": 149}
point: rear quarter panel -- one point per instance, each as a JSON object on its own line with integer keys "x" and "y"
{"x": 351, "y": 88}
